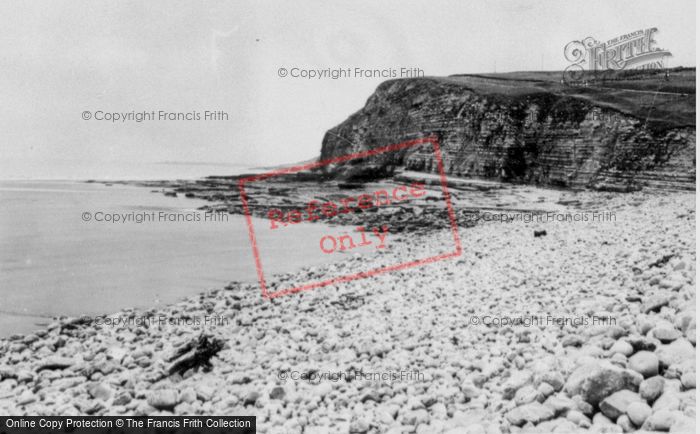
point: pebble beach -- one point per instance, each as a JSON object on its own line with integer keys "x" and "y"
{"x": 589, "y": 326}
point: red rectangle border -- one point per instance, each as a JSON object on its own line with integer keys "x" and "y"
{"x": 395, "y": 147}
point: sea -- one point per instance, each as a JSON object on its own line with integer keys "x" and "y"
{"x": 69, "y": 248}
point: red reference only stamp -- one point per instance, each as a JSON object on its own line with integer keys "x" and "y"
{"x": 317, "y": 210}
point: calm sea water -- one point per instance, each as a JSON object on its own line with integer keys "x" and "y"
{"x": 52, "y": 262}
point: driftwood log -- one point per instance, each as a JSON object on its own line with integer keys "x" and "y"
{"x": 195, "y": 354}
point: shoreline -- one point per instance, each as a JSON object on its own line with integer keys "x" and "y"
{"x": 108, "y": 265}
{"x": 119, "y": 370}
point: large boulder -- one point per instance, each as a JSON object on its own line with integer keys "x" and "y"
{"x": 596, "y": 381}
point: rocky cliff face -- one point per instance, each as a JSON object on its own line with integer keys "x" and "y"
{"x": 518, "y": 135}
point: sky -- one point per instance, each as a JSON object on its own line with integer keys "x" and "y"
{"x": 60, "y": 59}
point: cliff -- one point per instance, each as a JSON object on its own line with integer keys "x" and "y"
{"x": 622, "y": 135}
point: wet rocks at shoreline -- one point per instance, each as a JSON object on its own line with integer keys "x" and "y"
{"x": 293, "y": 192}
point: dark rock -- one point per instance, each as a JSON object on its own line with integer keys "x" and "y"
{"x": 277, "y": 393}
{"x": 594, "y": 382}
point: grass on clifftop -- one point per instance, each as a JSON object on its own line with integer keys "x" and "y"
{"x": 662, "y": 103}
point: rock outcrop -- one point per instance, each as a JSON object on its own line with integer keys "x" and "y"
{"x": 511, "y": 132}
